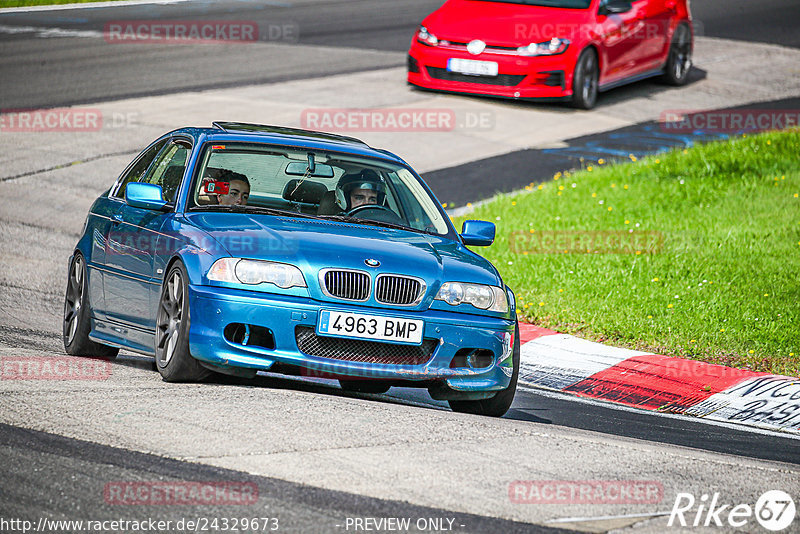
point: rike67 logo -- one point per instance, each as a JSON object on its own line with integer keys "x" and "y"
{"x": 774, "y": 510}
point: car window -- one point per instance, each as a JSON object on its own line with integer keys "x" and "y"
{"x": 275, "y": 178}
{"x": 137, "y": 169}
{"x": 167, "y": 171}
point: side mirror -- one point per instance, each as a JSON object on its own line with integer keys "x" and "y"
{"x": 145, "y": 196}
{"x": 478, "y": 233}
{"x": 615, "y": 7}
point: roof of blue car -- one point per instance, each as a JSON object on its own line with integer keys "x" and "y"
{"x": 290, "y": 136}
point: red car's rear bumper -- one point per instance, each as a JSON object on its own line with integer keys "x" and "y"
{"x": 518, "y": 76}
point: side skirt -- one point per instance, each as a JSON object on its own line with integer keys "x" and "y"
{"x": 123, "y": 335}
{"x": 633, "y": 79}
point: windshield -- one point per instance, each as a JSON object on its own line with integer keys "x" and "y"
{"x": 567, "y": 4}
{"x": 286, "y": 181}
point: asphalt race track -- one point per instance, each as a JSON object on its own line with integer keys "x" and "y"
{"x": 321, "y": 458}
{"x": 40, "y": 73}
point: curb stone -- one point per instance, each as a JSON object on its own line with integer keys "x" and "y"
{"x": 566, "y": 363}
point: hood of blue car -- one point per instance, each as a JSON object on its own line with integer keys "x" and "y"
{"x": 314, "y": 244}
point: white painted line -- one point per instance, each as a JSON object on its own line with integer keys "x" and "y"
{"x": 87, "y": 5}
{"x": 605, "y": 517}
{"x": 49, "y": 32}
{"x": 558, "y": 361}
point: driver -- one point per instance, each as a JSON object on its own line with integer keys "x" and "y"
{"x": 360, "y": 189}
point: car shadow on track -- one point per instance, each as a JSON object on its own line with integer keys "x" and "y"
{"x": 402, "y": 396}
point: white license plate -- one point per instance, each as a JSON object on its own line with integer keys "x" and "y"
{"x": 372, "y": 327}
{"x": 472, "y": 67}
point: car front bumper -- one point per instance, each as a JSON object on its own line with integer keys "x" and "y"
{"x": 547, "y": 77}
{"x": 212, "y": 309}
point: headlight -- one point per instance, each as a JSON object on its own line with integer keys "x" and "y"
{"x": 552, "y": 47}
{"x": 254, "y": 272}
{"x": 426, "y": 37}
{"x": 483, "y": 297}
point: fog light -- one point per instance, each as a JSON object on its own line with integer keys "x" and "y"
{"x": 472, "y": 359}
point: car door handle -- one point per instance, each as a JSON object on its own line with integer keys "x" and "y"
{"x": 116, "y": 219}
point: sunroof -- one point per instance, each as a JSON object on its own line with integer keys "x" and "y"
{"x": 282, "y": 130}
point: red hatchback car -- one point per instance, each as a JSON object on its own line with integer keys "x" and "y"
{"x": 555, "y": 49}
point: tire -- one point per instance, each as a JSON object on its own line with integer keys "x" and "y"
{"x": 679, "y": 60}
{"x": 498, "y": 405}
{"x": 173, "y": 360}
{"x": 77, "y": 311}
{"x": 364, "y": 386}
{"x": 585, "y": 80}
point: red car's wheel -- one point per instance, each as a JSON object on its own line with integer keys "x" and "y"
{"x": 585, "y": 80}
{"x": 679, "y": 61}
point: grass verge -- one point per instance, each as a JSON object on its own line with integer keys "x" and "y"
{"x": 693, "y": 253}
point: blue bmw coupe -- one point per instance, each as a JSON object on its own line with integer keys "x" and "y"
{"x": 242, "y": 248}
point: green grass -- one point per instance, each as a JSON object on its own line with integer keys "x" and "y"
{"x": 25, "y": 3}
{"x": 722, "y": 286}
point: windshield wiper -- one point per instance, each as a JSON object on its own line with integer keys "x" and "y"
{"x": 356, "y": 220}
{"x": 235, "y": 208}
{"x": 255, "y": 209}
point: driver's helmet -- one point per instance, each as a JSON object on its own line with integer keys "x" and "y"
{"x": 366, "y": 179}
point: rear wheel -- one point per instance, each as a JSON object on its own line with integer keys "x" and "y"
{"x": 679, "y": 61}
{"x": 77, "y": 311}
{"x": 585, "y": 80}
{"x": 364, "y": 386}
{"x": 173, "y": 359}
{"x": 498, "y": 405}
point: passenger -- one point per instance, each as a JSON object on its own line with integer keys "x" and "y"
{"x": 238, "y": 189}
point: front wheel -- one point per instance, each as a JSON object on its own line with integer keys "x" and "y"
{"x": 498, "y": 405}
{"x": 679, "y": 61}
{"x": 173, "y": 359}
{"x": 585, "y": 80}
{"x": 77, "y": 310}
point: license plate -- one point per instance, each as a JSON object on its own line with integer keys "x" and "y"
{"x": 472, "y": 67}
{"x": 372, "y": 327}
